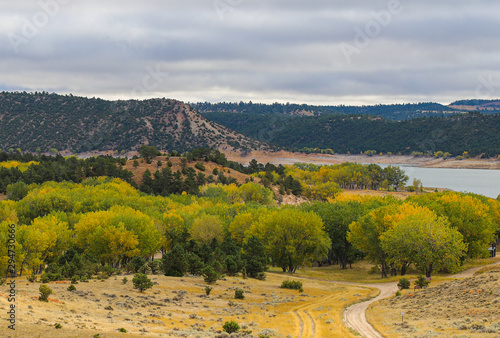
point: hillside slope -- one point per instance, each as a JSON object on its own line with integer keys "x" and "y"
{"x": 475, "y": 133}
{"x": 43, "y": 121}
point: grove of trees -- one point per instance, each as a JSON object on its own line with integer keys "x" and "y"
{"x": 83, "y": 224}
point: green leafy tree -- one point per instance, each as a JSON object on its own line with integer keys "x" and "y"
{"x": 17, "y": 191}
{"x": 142, "y": 282}
{"x": 365, "y": 234}
{"x": 291, "y": 236}
{"x": 426, "y": 240}
{"x": 254, "y": 256}
{"x": 148, "y": 152}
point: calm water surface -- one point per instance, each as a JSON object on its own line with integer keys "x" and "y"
{"x": 484, "y": 182}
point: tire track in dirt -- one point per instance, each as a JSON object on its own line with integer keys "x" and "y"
{"x": 306, "y": 321}
{"x": 301, "y": 324}
{"x": 313, "y": 323}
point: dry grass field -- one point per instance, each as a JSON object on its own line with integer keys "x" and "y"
{"x": 178, "y": 307}
{"x": 467, "y": 307}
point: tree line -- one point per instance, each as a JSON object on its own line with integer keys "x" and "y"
{"x": 102, "y": 224}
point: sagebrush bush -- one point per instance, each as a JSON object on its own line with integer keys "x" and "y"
{"x": 71, "y": 288}
{"x": 292, "y": 284}
{"x": 231, "y": 327}
{"x": 238, "y": 294}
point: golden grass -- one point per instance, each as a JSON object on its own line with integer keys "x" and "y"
{"x": 265, "y": 307}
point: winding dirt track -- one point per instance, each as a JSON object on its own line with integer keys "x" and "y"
{"x": 355, "y": 315}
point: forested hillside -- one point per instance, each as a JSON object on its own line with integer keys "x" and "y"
{"x": 472, "y": 132}
{"x": 43, "y": 121}
{"x": 395, "y": 112}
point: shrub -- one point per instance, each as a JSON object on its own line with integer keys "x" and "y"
{"x": 404, "y": 284}
{"x": 121, "y": 329}
{"x": 71, "y": 288}
{"x": 200, "y": 166}
{"x": 102, "y": 276}
{"x": 2, "y": 281}
{"x": 238, "y": 294}
{"x": 398, "y": 293}
{"x": 45, "y": 278}
{"x": 421, "y": 281}
{"x": 45, "y": 292}
{"x": 208, "y": 289}
{"x": 124, "y": 280}
{"x": 58, "y": 326}
{"x": 215, "y": 171}
{"x": 75, "y": 279}
{"x": 292, "y": 284}
{"x": 209, "y": 274}
{"x": 244, "y": 273}
{"x": 142, "y": 282}
{"x": 261, "y": 276}
{"x": 32, "y": 278}
{"x": 231, "y": 327}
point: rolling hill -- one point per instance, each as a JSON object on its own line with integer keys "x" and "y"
{"x": 41, "y": 121}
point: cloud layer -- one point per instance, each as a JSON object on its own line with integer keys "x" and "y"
{"x": 335, "y": 52}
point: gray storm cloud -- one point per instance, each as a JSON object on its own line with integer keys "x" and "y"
{"x": 335, "y": 52}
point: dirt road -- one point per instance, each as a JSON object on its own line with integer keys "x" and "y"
{"x": 355, "y": 315}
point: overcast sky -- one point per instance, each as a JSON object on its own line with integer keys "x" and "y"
{"x": 317, "y": 52}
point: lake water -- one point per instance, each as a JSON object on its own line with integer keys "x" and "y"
{"x": 484, "y": 182}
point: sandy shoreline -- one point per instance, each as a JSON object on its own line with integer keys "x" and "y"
{"x": 284, "y": 157}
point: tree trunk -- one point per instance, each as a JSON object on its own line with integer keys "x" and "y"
{"x": 384, "y": 270}
{"x": 428, "y": 271}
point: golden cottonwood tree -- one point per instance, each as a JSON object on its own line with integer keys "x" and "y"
{"x": 205, "y": 228}
{"x": 117, "y": 233}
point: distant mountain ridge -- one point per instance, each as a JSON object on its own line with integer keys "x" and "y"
{"x": 32, "y": 121}
{"x": 397, "y": 112}
{"x": 477, "y": 105}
